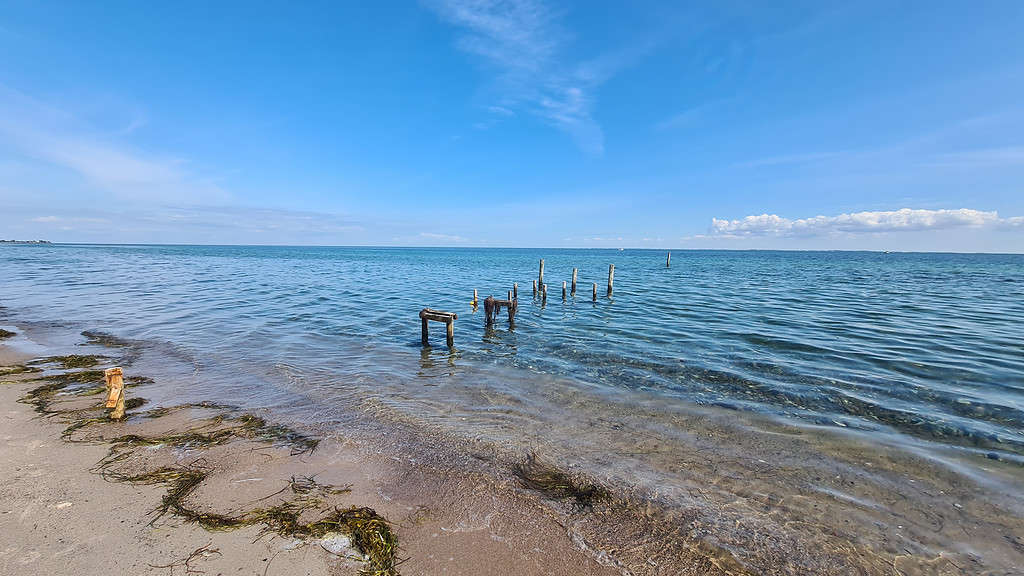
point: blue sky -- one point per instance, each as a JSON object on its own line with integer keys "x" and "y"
{"x": 877, "y": 125}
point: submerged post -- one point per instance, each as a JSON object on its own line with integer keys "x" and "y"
{"x": 668, "y": 260}
{"x": 448, "y": 318}
{"x": 595, "y": 291}
{"x": 540, "y": 275}
{"x": 515, "y": 291}
{"x": 114, "y": 380}
{"x": 545, "y": 291}
{"x": 574, "y": 271}
{"x": 563, "y": 290}
{"x": 534, "y": 288}
{"x": 611, "y": 276}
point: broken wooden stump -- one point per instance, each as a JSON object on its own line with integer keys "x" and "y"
{"x": 563, "y": 290}
{"x": 113, "y": 378}
{"x": 611, "y": 276}
{"x": 595, "y": 291}
{"x": 448, "y": 318}
{"x": 540, "y": 275}
{"x": 492, "y": 307}
{"x": 668, "y": 260}
{"x": 573, "y": 291}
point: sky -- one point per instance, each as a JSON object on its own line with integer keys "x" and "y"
{"x": 737, "y": 125}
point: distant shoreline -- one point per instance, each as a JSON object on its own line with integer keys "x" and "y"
{"x": 25, "y": 242}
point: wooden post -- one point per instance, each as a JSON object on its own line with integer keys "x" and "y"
{"x": 515, "y": 291}
{"x": 545, "y": 290}
{"x": 114, "y": 380}
{"x": 595, "y": 291}
{"x": 448, "y": 318}
{"x": 668, "y": 260}
{"x": 534, "y": 288}
{"x": 540, "y": 276}
{"x": 574, "y": 271}
{"x": 475, "y": 302}
{"x": 424, "y": 331}
{"x": 509, "y": 295}
{"x": 611, "y": 276}
{"x": 563, "y": 290}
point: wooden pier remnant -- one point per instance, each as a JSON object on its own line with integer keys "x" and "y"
{"x": 448, "y": 318}
{"x": 113, "y": 378}
{"x": 574, "y": 271}
{"x": 515, "y": 291}
{"x": 668, "y": 260}
{"x": 595, "y": 291}
{"x": 611, "y": 277}
{"x": 534, "y": 288}
{"x": 492, "y": 307}
{"x": 544, "y": 292}
{"x": 540, "y": 275}
{"x": 475, "y": 301}
{"x": 563, "y": 290}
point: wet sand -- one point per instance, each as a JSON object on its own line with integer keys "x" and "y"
{"x": 74, "y": 497}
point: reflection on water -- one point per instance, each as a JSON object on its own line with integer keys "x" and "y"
{"x": 913, "y": 364}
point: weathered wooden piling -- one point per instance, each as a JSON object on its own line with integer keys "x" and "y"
{"x": 540, "y": 275}
{"x": 492, "y": 308}
{"x": 595, "y": 291}
{"x": 611, "y": 277}
{"x": 574, "y": 271}
{"x": 563, "y": 290}
{"x": 114, "y": 380}
{"x": 448, "y": 318}
{"x": 475, "y": 301}
{"x": 544, "y": 291}
{"x": 668, "y": 260}
{"x": 515, "y": 291}
{"x": 534, "y": 288}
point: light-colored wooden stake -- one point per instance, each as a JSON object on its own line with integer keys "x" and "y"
{"x": 668, "y": 260}
{"x": 114, "y": 380}
{"x": 475, "y": 301}
{"x": 515, "y": 291}
{"x": 595, "y": 291}
{"x": 611, "y": 276}
{"x": 574, "y": 271}
{"x": 563, "y": 290}
{"x": 540, "y": 275}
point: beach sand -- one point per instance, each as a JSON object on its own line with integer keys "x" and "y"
{"x": 63, "y": 512}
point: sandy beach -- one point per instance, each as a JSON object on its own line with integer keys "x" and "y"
{"x": 89, "y": 501}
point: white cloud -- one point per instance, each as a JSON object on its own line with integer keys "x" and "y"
{"x": 523, "y": 42}
{"x": 905, "y": 219}
{"x": 441, "y": 237}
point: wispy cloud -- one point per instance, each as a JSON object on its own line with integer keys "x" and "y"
{"x": 902, "y": 220}
{"x": 46, "y": 133}
{"x": 446, "y": 238}
{"x": 523, "y": 42}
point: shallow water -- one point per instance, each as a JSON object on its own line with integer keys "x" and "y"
{"x": 913, "y": 354}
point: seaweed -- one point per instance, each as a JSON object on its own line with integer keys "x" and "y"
{"x": 4, "y": 334}
{"x": 72, "y": 361}
{"x": 18, "y": 369}
{"x": 104, "y": 339}
{"x": 557, "y": 484}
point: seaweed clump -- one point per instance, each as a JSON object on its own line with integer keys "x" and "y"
{"x": 72, "y": 361}
{"x": 557, "y": 484}
{"x": 4, "y": 334}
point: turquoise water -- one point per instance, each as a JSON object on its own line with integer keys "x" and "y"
{"x": 924, "y": 346}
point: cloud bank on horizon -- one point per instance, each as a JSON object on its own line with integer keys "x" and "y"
{"x": 902, "y": 220}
